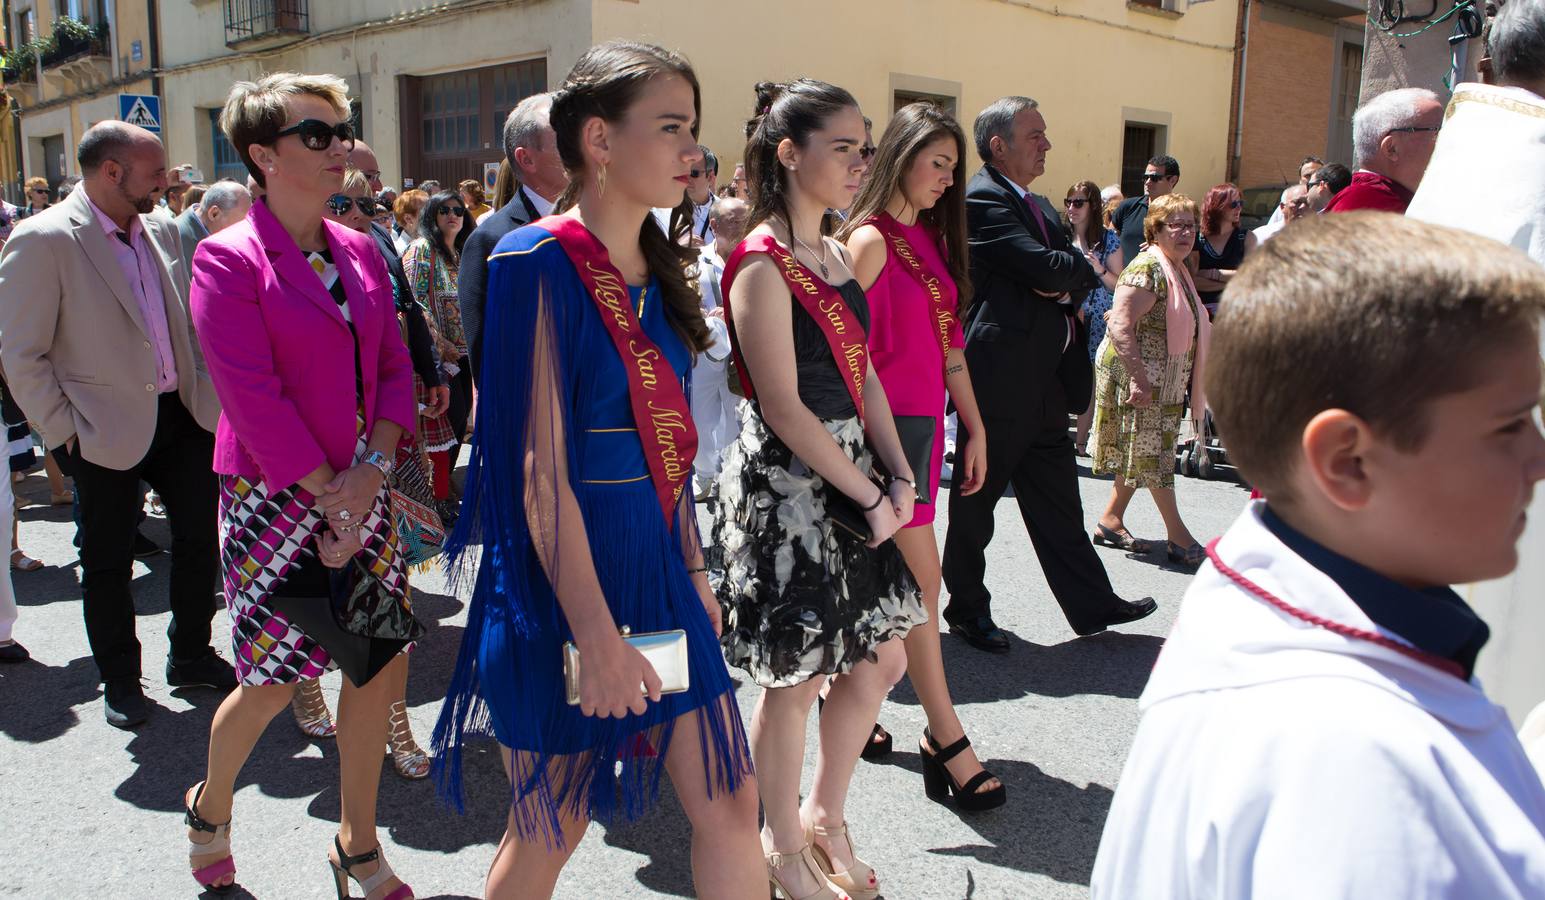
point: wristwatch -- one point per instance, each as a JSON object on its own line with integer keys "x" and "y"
{"x": 379, "y": 460}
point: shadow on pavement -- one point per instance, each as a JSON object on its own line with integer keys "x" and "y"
{"x": 1038, "y": 830}
{"x": 52, "y": 694}
{"x": 1111, "y": 663}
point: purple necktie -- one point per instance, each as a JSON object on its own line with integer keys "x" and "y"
{"x": 1040, "y": 220}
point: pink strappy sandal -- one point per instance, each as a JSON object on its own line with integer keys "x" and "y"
{"x": 209, "y": 876}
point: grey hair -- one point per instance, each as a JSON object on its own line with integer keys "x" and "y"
{"x": 1518, "y": 42}
{"x": 1381, "y": 115}
{"x": 525, "y": 124}
{"x": 997, "y": 120}
{"x": 225, "y": 194}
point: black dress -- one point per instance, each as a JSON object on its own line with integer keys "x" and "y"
{"x": 1233, "y": 254}
{"x": 801, "y": 597}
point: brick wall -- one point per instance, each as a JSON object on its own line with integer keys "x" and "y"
{"x": 1288, "y": 84}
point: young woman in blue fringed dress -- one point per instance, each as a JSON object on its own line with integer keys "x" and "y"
{"x": 577, "y": 507}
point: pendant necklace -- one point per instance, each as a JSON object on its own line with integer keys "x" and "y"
{"x": 821, "y": 260}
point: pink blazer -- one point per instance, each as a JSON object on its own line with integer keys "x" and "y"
{"x": 280, "y": 353}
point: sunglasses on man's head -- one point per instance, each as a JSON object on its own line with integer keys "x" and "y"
{"x": 318, "y": 135}
{"x": 1075, "y": 203}
{"x": 340, "y": 204}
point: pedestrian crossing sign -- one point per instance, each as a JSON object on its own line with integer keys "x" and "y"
{"x": 143, "y": 110}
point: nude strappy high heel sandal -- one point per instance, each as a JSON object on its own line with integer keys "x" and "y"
{"x": 800, "y": 858}
{"x": 310, "y": 708}
{"x": 860, "y": 882}
{"x": 408, "y": 758}
{"x": 341, "y": 873}
{"x": 209, "y": 876}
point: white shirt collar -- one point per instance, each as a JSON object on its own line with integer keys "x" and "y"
{"x": 542, "y": 207}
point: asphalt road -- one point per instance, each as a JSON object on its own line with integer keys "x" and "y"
{"x": 93, "y": 811}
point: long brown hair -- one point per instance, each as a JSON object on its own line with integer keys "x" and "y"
{"x": 1094, "y": 224}
{"x": 793, "y": 111}
{"x": 605, "y": 82}
{"x": 914, "y": 127}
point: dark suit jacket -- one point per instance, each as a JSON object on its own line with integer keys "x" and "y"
{"x": 190, "y": 230}
{"x": 421, "y": 347}
{"x": 472, "y": 280}
{"x": 1014, "y": 336}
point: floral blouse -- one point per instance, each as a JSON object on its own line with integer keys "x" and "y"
{"x": 432, "y": 276}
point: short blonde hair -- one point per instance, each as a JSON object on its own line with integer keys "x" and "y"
{"x": 255, "y": 110}
{"x": 354, "y": 181}
{"x": 37, "y": 181}
{"x": 1161, "y": 208}
{"x": 409, "y": 205}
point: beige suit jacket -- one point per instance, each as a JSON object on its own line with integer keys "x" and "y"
{"x": 76, "y": 351}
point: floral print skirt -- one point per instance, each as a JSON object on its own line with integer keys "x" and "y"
{"x": 1138, "y": 443}
{"x": 801, "y": 597}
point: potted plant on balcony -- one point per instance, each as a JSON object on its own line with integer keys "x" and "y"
{"x": 20, "y": 63}
{"x": 71, "y": 38}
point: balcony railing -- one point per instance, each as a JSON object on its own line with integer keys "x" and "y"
{"x": 258, "y": 20}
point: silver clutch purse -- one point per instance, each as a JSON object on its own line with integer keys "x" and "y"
{"x": 666, "y": 651}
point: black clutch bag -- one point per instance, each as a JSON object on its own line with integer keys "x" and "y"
{"x": 917, "y": 434}
{"x": 359, "y": 656}
{"x": 846, "y": 515}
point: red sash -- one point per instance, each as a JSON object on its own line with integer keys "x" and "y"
{"x": 844, "y": 334}
{"x": 943, "y": 316}
{"x": 659, "y": 406}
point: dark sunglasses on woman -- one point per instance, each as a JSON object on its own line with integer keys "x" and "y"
{"x": 1075, "y": 202}
{"x": 340, "y": 204}
{"x": 453, "y": 211}
{"x": 318, "y": 135}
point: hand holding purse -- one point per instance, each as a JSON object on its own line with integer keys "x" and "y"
{"x": 665, "y": 651}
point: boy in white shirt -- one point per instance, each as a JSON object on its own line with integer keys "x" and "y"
{"x": 1312, "y": 728}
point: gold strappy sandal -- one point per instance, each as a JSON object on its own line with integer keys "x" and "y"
{"x": 310, "y": 708}
{"x": 408, "y": 758}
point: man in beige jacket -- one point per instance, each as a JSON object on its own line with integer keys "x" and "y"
{"x": 99, "y": 352}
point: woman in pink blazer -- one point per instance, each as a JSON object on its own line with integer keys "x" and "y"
{"x": 296, "y": 319}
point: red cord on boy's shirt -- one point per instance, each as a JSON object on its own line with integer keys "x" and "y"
{"x": 1421, "y": 656}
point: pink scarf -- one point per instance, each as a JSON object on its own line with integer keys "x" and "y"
{"x": 1184, "y": 314}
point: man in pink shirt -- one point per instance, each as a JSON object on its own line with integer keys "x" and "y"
{"x": 99, "y": 352}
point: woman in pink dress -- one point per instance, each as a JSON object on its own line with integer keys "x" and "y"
{"x": 907, "y": 232}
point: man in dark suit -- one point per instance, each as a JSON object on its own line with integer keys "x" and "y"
{"x": 1029, "y": 369}
{"x": 224, "y": 204}
{"x": 421, "y": 346}
{"x": 532, "y": 150}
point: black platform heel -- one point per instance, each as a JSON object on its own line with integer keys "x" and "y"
{"x": 939, "y": 784}
{"x": 345, "y": 863}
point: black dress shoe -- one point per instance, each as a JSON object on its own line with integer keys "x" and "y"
{"x": 125, "y": 703}
{"x": 144, "y": 547}
{"x": 1126, "y": 612}
{"x": 208, "y": 670}
{"x": 12, "y": 652}
{"x": 982, "y": 633}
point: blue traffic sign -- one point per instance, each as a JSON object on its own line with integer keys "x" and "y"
{"x": 143, "y": 110}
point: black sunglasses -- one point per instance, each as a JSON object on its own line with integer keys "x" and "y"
{"x": 1237, "y": 204}
{"x": 340, "y": 204}
{"x": 453, "y": 210}
{"x": 867, "y": 153}
{"x": 318, "y": 135}
{"x": 1411, "y": 129}
{"x": 696, "y": 173}
{"x": 1153, "y": 176}
{"x": 1075, "y": 202}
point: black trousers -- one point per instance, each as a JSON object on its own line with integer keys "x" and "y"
{"x": 179, "y": 467}
{"x": 461, "y": 400}
{"x": 1033, "y": 453}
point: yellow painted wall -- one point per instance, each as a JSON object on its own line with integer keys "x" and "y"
{"x": 1083, "y": 65}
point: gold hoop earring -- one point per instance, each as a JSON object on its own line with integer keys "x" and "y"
{"x": 600, "y": 182}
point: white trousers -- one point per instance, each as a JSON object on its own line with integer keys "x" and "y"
{"x": 715, "y": 412}
{"x": 7, "y": 594}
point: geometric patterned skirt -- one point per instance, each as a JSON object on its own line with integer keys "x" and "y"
{"x": 264, "y": 538}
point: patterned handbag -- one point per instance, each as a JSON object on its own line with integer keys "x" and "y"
{"x": 419, "y": 528}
